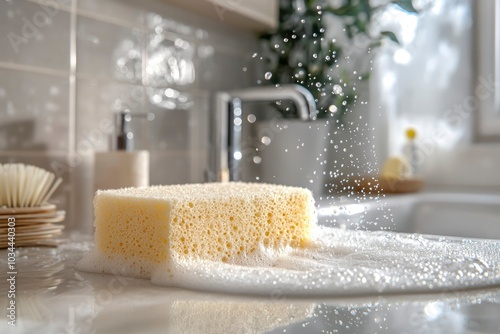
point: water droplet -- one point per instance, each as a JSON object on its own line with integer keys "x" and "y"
{"x": 251, "y": 118}
{"x": 268, "y": 75}
{"x": 54, "y": 91}
{"x": 333, "y": 109}
{"x": 337, "y": 89}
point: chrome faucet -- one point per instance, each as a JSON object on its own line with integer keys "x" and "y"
{"x": 226, "y": 127}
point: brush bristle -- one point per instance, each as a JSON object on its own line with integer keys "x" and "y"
{"x": 24, "y": 186}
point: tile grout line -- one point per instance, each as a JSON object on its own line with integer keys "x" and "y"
{"x": 30, "y": 153}
{"x": 496, "y": 65}
{"x": 185, "y": 89}
{"x": 194, "y": 137}
{"x": 72, "y": 79}
{"x": 32, "y": 69}
{"x": 84, "y": 76}
{"x": 72, "y": 111}
{"x": 145, "y": 129}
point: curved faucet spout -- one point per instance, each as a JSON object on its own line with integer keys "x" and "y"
{"x": 226, "y": 135}
{"x": 299, "y": 95}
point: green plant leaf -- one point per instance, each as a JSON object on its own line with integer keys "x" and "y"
{"x": 341, "y": 11}
{"x": 391, "y": 36}
{"x": 406, "y": 5}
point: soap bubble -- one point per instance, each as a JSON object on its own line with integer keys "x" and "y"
{"x": 265, "y": 140}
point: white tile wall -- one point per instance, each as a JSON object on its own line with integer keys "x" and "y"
{"x": 34, "y": 112}
{"x": 34, "y": 35}
{"x": 219, "y": 70}
{"x": 97, "y": 100}
{"x": 105, "y": 50}
{"x": 89, "y": 58}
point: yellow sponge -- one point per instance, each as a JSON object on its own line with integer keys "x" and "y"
{"x": 213, "y": 221}
{"x": 396, "y": 168}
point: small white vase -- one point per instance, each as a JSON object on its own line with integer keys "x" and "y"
{"x": 292, "y": 152}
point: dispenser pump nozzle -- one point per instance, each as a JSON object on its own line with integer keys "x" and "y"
{"x": 124, "y": 134}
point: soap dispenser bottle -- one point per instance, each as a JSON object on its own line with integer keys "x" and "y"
{"x": 410, "y": 150}
{"x": 123, "y": 166}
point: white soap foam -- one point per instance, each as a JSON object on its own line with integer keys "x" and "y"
{"x": 97, "y": 262}
{"x": 338, "y": 262}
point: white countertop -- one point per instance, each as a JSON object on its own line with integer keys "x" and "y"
{"x": 52, "y": 297}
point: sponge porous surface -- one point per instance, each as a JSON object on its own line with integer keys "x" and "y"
{"x": 215, "y": 221}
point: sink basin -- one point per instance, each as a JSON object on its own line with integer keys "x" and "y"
{"x": 465, "y": 215}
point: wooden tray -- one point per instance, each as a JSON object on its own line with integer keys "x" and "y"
{"x": 376, "y": 185}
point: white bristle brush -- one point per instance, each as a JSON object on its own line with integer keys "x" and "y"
{"x": 24, "y": 186}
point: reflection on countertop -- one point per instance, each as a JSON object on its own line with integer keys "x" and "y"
{"x": 52, "y": 297}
